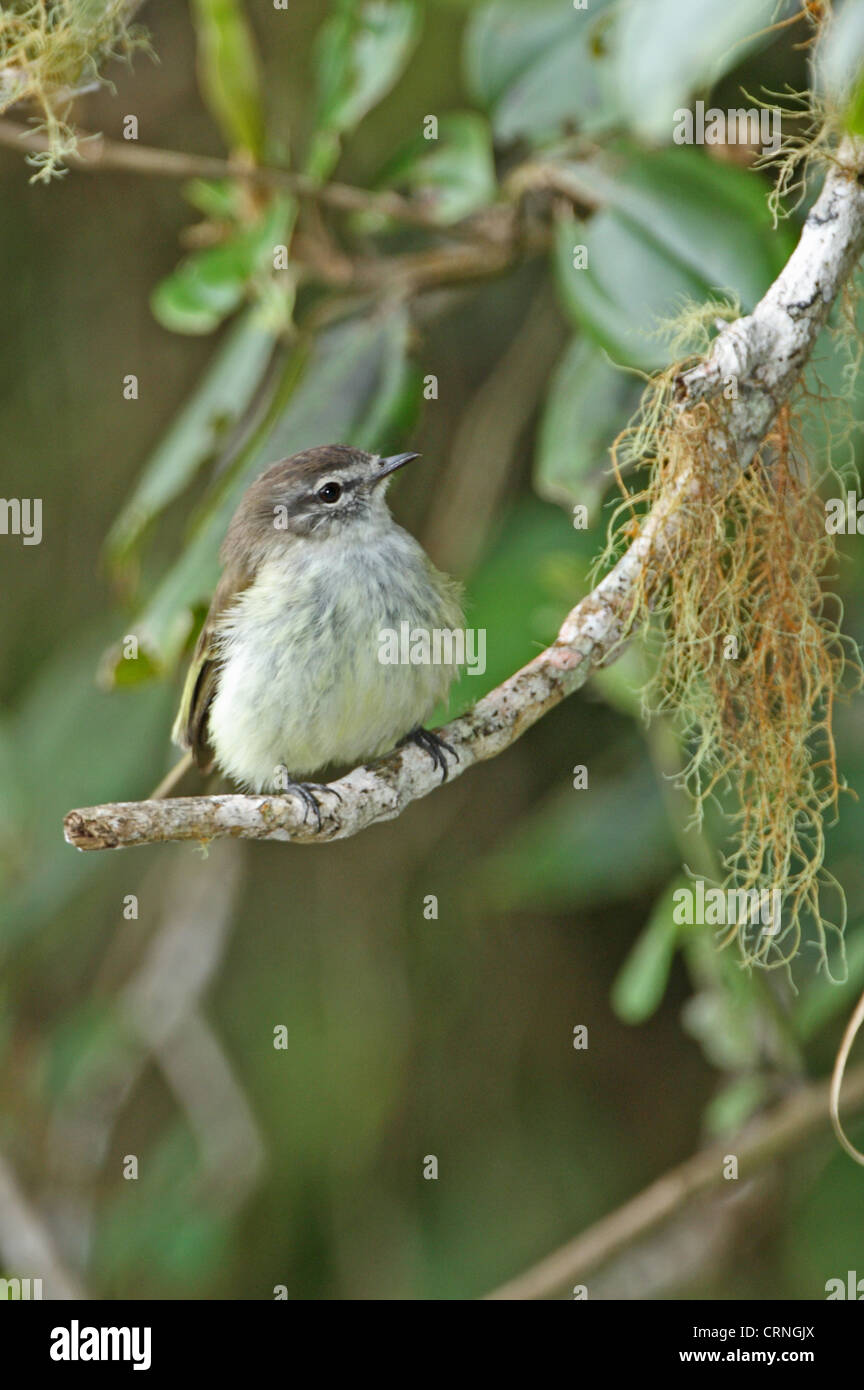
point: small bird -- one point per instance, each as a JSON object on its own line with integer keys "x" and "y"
{"x": 287, "y": 676}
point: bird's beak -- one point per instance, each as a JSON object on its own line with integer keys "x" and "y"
{"x": 389, "y": 465}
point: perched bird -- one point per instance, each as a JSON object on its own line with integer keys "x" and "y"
{"x": 287, "y": 675}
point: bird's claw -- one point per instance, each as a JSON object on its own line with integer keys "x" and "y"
{"x": 306, "y": 792}
{"x": 435, "y": 746}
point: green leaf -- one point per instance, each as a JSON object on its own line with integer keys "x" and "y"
{"x": 838, "y": 53}
{"x": 641, "y": 982}
{"x": 351, "y": 371}
{"x": 198, "y": 296}
{"x": 621, "y": 684}
{"x": 734, "y": 1105}
{"x": 725, "y": 1014}
{"x": 522, "y": 591}
{"x": 855, "y": 109}
{"x": 209, "y": 285}
{"x": 394, "y": 406}
{"x": 589, "y": 402}
{"x": 360, "y": 53}
{"x": 506, "y": 38}
{"x": 539, "y": 67}
{"x": 822, "y": 1000}
{"x": 228, "y": 73}
{"x": 196, "y": 434}
{"x": 70, "y": 744}
{"x": 164, "y": 628}
{"x": 335, "y": 393}
{"x": 669, "y": 50}
{"x": 674, "y": 227}
{"x": 711, "y": 217}
{"x": 629, "y": 284}
{"x": 454, "y": 174}
{"x": 218, "y": 199}
{"x": 838, "y": 63}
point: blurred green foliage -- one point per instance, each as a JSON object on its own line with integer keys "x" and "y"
{"x": 454, "y": 175}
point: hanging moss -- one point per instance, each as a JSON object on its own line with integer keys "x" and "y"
{"x": 52, "y": 50}
{"x": 749, "y": 657}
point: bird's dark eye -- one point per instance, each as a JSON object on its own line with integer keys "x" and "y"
{"x": 330, "y": 492}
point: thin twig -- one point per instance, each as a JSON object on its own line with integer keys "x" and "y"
{"x": 768, "y": 1137}
{"x": 96, "y": 152}
{"x": 478, "y": 246}
{"x": 853, "y": 1028}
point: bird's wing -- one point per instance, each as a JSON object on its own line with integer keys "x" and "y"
{"x": 202, "y": 678}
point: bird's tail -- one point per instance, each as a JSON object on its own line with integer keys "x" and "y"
{"x": 170, "y": 780}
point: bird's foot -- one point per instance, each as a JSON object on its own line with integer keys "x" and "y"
{"x": 306, "y": 792}
{"x": 434, "y": 745}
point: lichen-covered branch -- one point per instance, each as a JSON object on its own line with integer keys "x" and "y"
{"x": 765, "y": 353}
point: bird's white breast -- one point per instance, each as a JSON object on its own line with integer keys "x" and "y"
{"x": 301, "y": 684}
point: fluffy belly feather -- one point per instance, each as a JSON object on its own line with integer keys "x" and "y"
{"x": 301, "y": 684}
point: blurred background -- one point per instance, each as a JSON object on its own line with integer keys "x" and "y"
{"x": 154, "y": 1141}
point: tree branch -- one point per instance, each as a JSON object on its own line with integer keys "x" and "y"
{"x": 481, "y": 245}
{"x": 96, "y": 152}
{"x": 768, "y": 1137}
{"x": 766, "y": 352}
